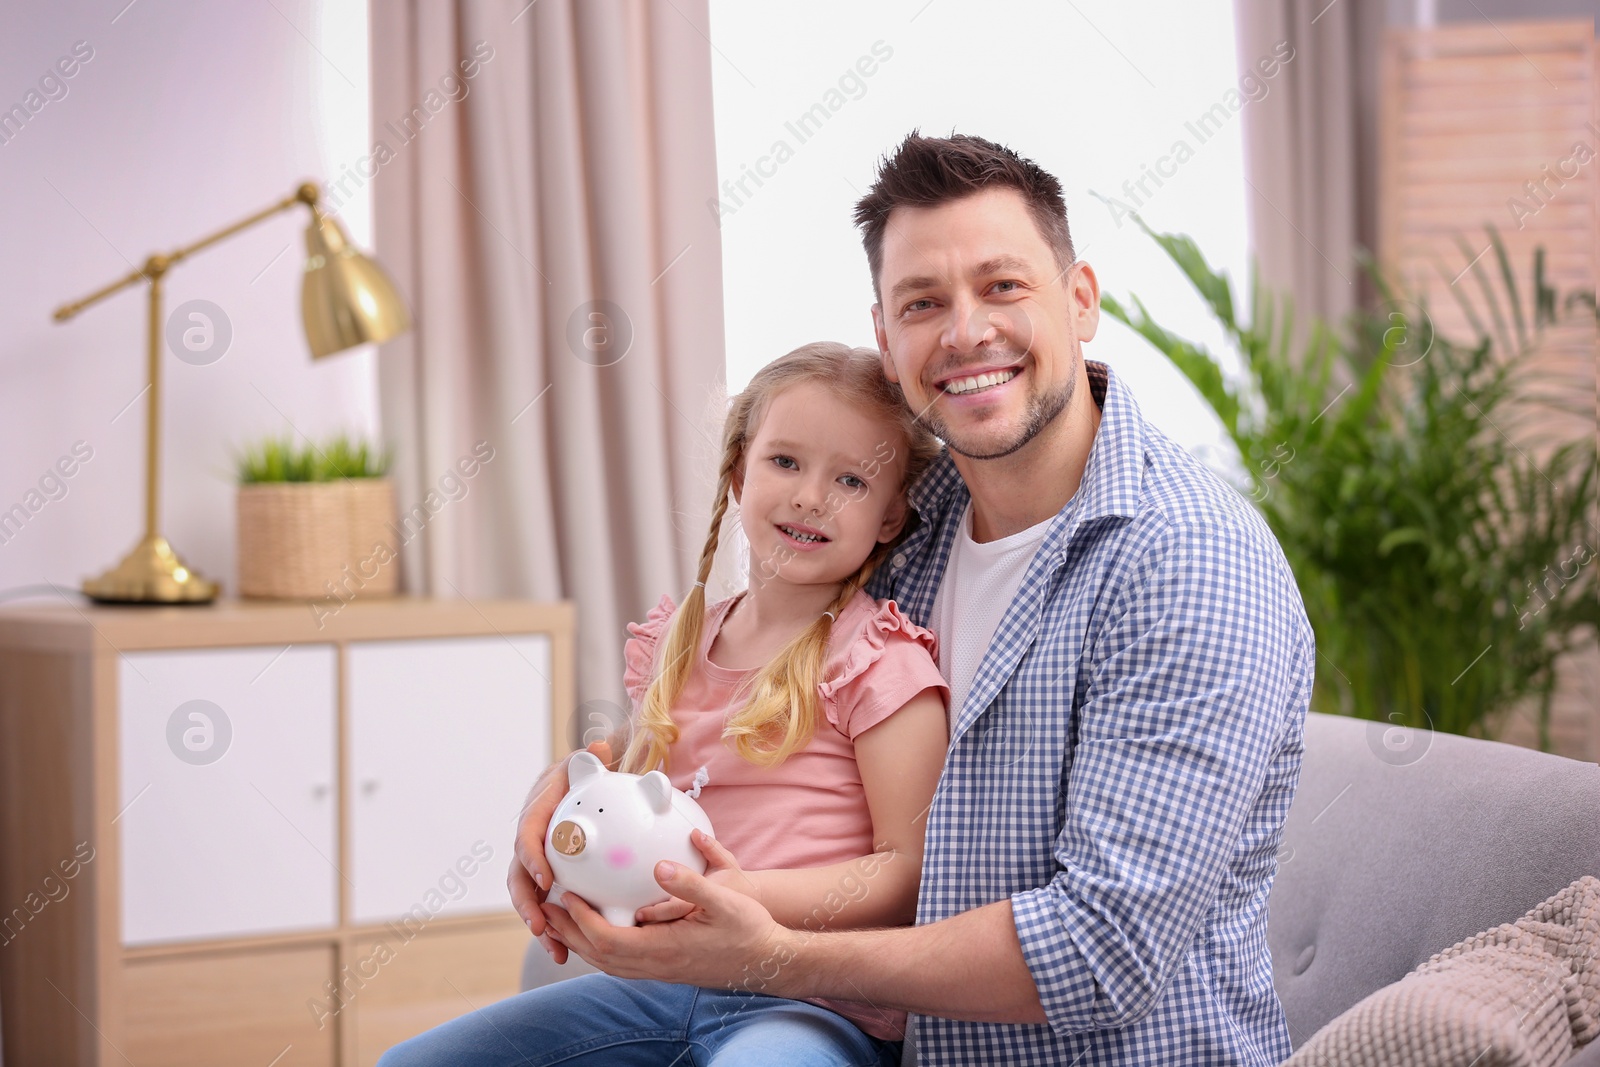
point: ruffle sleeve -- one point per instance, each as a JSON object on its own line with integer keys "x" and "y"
{"x": 891, "y": 661}
{"x": 639, "y": 653}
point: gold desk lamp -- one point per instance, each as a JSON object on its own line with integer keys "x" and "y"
{"x": 345, "y": 299}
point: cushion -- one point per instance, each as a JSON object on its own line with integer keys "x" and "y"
{"x": 1524, "y": 994}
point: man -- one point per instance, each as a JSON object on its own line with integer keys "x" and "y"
{"x": 1129, "y": 662}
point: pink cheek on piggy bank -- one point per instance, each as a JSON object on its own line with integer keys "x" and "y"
{"x": 621, "y": 856}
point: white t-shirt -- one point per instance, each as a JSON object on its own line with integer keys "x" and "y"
{"x": 979, "y": 582}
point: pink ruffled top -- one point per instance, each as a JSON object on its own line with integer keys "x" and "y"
{"x": 810, "y": 810}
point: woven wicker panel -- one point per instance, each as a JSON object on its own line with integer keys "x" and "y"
{"x": 1471, "y": 115}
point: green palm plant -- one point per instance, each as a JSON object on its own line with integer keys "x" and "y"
{"x": 1445, "y": 571}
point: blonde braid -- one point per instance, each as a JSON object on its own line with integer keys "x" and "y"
{"x": 656, "y": 731}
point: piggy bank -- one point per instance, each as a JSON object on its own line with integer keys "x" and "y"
{"x": 611, "y": 830}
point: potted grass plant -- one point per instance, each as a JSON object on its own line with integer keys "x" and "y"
{"x": 315, "y": 518}
{"x": 1445, "y": 568}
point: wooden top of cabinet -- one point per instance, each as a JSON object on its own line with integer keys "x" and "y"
{"x": 72, "y": 627}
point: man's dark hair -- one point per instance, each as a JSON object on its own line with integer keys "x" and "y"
{"x": 925, "y": 171}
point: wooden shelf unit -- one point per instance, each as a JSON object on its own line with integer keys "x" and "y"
{"x": 166, "y": 924}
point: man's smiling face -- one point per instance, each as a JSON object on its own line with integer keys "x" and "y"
{"x": 979, "y": 324}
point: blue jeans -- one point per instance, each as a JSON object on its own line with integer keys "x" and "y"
{"x": 622, "y": 1022}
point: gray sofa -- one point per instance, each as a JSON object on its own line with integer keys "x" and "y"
{"x": 1400, "y": 843}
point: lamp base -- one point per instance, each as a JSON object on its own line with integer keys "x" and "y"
{"x": 151, "y": 574}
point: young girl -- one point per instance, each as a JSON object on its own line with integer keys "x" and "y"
{"x": 813, "y": 715}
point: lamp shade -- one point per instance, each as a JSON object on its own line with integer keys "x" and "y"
{"x": 345, "y": 298}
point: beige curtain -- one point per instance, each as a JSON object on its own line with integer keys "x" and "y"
{"x": 1311, "y": 147}
{"x": 540, "y": 178}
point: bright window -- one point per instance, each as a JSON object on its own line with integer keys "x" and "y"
{"x": 1099, "y": 93}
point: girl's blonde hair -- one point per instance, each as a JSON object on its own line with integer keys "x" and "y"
{"x": 784, "y": 705}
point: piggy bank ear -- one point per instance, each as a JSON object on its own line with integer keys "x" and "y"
{"x": 658, "y": 791}
{"x": 582, "y": 767}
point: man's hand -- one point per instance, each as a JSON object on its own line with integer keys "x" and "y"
{"x": 727, "y": 939}
{"x": 530, "y": 876}
{"x": 721, "y": 869}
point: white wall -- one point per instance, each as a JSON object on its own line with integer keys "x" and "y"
{"x": 1092, "y": 91}
{"x": 186, "y": 117}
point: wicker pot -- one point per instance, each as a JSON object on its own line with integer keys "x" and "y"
{"x": 301, "y": 540}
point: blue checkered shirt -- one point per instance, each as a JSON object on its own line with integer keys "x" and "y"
{"x": 1124, "y": 761}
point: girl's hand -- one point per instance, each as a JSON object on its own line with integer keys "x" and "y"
{"x": 721, "y": 869}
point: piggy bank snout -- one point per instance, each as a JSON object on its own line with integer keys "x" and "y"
{"x": 569, "y": 838}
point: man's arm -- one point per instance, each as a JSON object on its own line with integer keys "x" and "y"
{"x": 1193, "y": 683}
{"x": 967, "y": 967}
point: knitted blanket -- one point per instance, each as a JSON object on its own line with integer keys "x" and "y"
{"x": 1525, "y": 994}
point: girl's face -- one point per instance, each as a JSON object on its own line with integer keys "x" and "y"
{"x": 821, "y": 485}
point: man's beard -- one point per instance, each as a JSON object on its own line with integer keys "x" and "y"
{"x": 1041, "y": 411}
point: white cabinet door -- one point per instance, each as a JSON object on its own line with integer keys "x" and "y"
{"x": 226, "y": 805}
{"x": 446, "y": 736}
